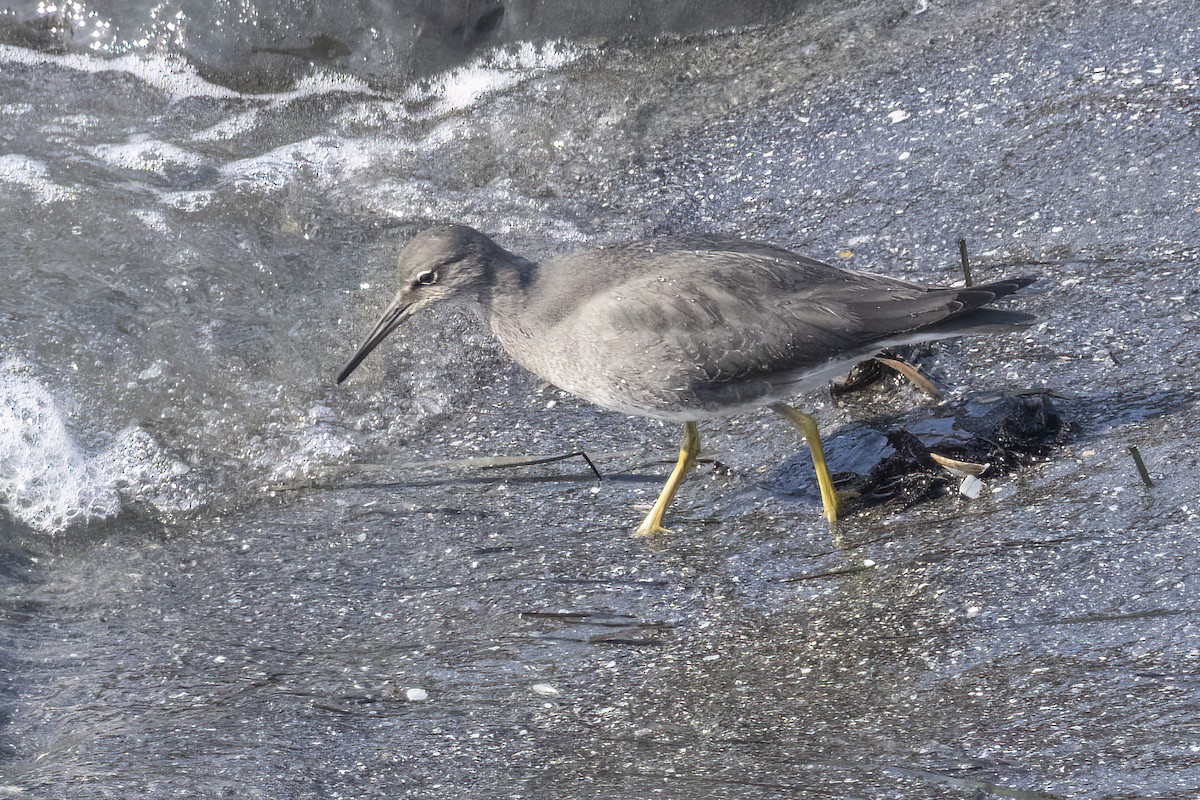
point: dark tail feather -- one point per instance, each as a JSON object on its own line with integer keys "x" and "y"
{"x": 973, "y": 297}
{"x": 982, "y": 321}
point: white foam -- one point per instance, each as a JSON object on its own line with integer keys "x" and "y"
{"x": 319, "y": 83}
{"x": 272, "y": 169}
{"x": 188, "y": 201}
{"x": 49, "y": 483}
{"x": 32, "y": 175}
{"x": 455, "y": 89}
{"x": 175, "y": 77}
{"x": 154, "y": 220}
{"x": 168, "y": 74}
{"x": 229, "y": 128}
{"x": 317, "y": 444}
{"x": 492, "y": 72}
{"x": 146, "y": 155}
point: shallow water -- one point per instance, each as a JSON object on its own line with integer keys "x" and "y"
{"x": 222, "y": 574}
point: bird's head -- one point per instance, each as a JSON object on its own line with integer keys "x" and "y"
{"x": 446, "y": 263}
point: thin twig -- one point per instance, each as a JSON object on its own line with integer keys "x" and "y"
{"x": 1141, "y": 466}
{"x": 966, "y": 262}
{"x": 548, "y": 460}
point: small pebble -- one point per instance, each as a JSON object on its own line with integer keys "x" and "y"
{"x": 544, "y": 689}
{"x": 416, "y": 694}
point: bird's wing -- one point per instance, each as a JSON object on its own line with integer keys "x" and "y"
{"x": 709, "y": 315}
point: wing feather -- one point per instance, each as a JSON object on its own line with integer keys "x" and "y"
{"x": 730, "y": 321}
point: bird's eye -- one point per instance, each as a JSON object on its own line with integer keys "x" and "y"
{"x": 427, "y": 278}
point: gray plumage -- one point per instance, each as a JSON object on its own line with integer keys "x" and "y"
{"x": 683, "y": 328}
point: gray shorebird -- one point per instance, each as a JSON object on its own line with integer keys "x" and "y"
{"x": 685, "y": 329}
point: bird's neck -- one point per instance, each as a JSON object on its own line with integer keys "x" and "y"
{"x": 508, "y": 295}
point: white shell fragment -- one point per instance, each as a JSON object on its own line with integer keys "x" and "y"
{"x": 959, "y": 468}
{"x": 969, "y": 471}
{"x": 970, "y": 487}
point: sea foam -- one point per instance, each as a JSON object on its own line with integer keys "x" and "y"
{"x": 49, "y": 483}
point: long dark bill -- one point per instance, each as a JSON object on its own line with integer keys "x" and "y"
{"x": 401, "y": 309}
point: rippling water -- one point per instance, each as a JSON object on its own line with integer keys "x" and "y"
{"x": 190, "y": 260}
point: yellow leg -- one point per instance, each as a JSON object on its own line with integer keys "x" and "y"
{"x": 808, "y": 426}
{"x": 652, "y": 524}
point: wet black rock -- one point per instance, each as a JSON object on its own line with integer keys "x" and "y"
{"x": 892, "y": 462}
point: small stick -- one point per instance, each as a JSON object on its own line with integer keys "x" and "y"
{"x": 966, "y": 262}
{"x": 1141, "y": 466}
{"x": 548, "y": 460}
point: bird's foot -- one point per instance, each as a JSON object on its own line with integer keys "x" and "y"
{"x": 650, "y": 529}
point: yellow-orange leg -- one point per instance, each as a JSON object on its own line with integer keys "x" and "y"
{"x": 652, "y": 524}
{"x": 808, "y": 427}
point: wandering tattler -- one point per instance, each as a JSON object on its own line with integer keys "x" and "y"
{"x": 685, "y": 329}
